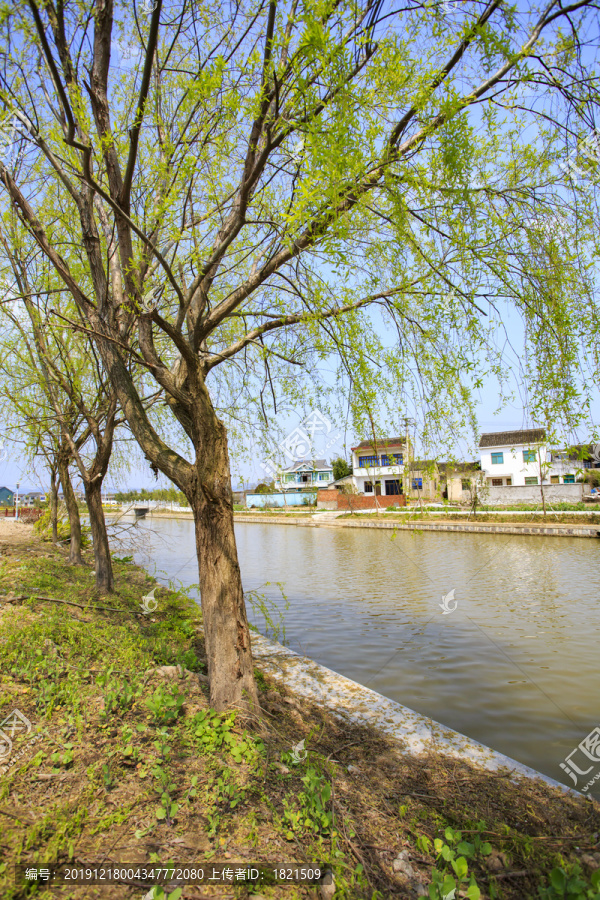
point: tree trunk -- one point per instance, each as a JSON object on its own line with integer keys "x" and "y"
{"x": 104, "y": 570}
{"x": 226, "y": 632}
{"x": 54, "y": 505}
{"x": 74, "y": 521}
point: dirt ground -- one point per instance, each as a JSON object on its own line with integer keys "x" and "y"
{"x": 15, "y": 533}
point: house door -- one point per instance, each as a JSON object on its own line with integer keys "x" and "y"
{"x": 378, "y": 489}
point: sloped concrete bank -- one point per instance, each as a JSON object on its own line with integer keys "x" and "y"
{"x": 585, "y": 531}
{"x": 415, "y": 734}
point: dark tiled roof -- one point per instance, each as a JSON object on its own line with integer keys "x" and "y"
{"x": 459, "y": 467}
{"x": 511, "y": 438}
{"x": 383, "y": 444}
{"x": 346, "y": 479}
{"x": 312, "y": 463}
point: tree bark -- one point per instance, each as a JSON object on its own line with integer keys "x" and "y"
{"x": 54, "y": 504}
{"x": 226, "y": 631}
{"x": 74, "y": 520}
{"x": 104, "y": 570}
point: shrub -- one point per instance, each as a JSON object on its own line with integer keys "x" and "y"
{"x": 43, "y": 527}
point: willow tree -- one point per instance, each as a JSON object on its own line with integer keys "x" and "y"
{"x": 57, "y": 389}
{"x": 233, "y": 193}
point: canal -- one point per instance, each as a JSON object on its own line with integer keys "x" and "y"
{"x": 515, "y": 665}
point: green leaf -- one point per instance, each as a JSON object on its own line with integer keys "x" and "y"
{"x": 161, "y": 813}
{"x": 461, "y": 867}
{"x": 449, "y": 885}
{"x": 176, "y": 894}
{"x": 558, "y": 880}
{"x": 467, "y": 849}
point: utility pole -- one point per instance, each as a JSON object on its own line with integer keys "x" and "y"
{"x": 407, "y": 421}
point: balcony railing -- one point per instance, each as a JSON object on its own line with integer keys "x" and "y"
{"x": 311, "y": 480}
{"x": 393, "y": 459}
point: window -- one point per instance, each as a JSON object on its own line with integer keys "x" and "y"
{"x": 554, "y": 479}
{"x": 465, "y": 484}
{"x": 391, "y": 459}
{"x": 325, "y": 476}
{"x": 509, "y": 482}
{"x": 392, "y": 486}
{"x": 367, "y": 461}
{"x": 417, "y": 484}
{"x": 496, "y": 482}
{"x": 569, "y": 479}
{"x": 529, "y": 456}
{"x": 587, "y": 464}
{"x": 532, "y": 479}
{"x": 368, "y": 487}
{"x": 497, "y": 459}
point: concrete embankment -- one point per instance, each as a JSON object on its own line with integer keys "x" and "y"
{"x": 557, "y": 530}
{"x": 346, "y": 699}
{"x": 329, "y": 520}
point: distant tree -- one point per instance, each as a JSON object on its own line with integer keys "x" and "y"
{"x": 340, "y": 468}
{"x": 265, "y": 488}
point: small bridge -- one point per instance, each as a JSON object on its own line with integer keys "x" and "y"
{"x": 26, "y": 513}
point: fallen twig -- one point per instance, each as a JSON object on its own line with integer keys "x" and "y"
{"x": 520, "y": 874}
{"x": 343, "y": 747}
{"x": 12, "y": 816}
{"x": 72, "y": 603}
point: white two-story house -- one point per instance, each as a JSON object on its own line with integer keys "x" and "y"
{"x": 378, "y": 466}
{"x": 522, "y": 458}
{"x": 514, "y": 457}
{"x": 304, "y": 474}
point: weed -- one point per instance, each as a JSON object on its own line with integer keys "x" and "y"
{"x": 454, "y": 851}
{"x": 570, "y": 884}
{"x": 64, "y": 760}
{"x": 107, "y": 777}
{"x": 118, "y": 695}
{"x": 223, "y": 794}
{"x": 268, "y": 608}
{"x": 165, "y": 704}
{"x": 308, "y": 810}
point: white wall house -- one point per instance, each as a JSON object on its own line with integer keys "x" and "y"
{"x": 304, "y": 474}
{"x": 521, "y": 458}
{"x": 378, "y": 467}
{"x": 31, "y": 498}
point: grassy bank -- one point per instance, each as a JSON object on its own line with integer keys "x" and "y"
{"x": 517, "y": 518}
{"x": 126, "y": 762}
